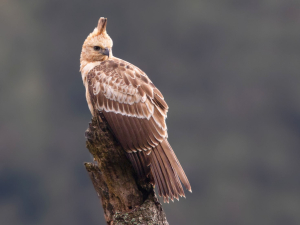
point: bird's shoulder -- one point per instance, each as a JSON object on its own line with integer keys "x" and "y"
{"x": 120, "y": 70}
{"x": 122, "y": 76}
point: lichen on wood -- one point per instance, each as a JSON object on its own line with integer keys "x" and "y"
{"x": 125, "y": 199}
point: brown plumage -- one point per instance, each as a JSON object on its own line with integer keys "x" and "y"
{"x": 134, "y": 109}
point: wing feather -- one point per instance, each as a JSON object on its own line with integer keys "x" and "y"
{"x": 136, "y": 111}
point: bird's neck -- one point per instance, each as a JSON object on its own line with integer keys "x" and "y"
{"x": 83, "y": 64}
{"x": 86, "y": 64}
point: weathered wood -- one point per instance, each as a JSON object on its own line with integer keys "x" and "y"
{"x": 125, "y": 200}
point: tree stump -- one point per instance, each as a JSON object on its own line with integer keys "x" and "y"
{"x": 124, "y": 198}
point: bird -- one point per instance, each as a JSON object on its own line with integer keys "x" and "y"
{"x": 134, "y": 109}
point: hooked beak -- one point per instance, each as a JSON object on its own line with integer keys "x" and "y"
{"x": 106, "y": 52}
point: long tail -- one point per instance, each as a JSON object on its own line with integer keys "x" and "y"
{"x": 165, "y": 169}
{"x": 167, "y": 172}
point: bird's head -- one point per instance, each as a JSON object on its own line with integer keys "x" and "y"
{"x": 98, "y": 45}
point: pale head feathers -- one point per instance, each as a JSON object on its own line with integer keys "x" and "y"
{"x": 98, "y": 38}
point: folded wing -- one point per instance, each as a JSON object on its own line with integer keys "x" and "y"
{"x": 136, "y": 111}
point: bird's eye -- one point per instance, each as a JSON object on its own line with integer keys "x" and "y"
{"x": 97, "y": 48}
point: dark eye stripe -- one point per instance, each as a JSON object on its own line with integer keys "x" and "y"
{"x": 97, "y": 48}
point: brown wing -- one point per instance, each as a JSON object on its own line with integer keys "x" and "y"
{"x": 132, "y": 105}
{"x": 136, "y": 112}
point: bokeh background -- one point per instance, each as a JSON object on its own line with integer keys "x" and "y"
{"x": 229, "y": 70}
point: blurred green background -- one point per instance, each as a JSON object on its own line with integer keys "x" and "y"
{"x": 229, "y": 70}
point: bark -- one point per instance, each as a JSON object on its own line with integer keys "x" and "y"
{"x": 124, "y": 198}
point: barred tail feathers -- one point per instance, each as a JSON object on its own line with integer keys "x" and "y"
{"x": 165, "y": 169}
{"x": 167, "y": 172}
